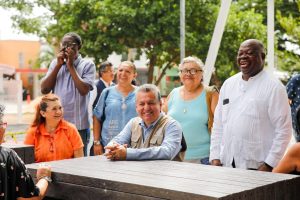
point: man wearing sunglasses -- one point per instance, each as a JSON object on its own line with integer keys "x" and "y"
{"x": 71, "y": 77}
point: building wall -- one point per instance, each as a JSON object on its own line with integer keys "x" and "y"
{"x": 20, "y": 54}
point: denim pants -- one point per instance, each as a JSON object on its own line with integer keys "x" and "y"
{"x": 85, "y": 136}
{"x": 204, "y": 161}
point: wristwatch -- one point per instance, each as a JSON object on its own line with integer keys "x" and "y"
{"x": 97, "y": 142}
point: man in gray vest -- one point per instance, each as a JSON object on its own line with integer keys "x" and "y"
{"x": 150, "y": 136}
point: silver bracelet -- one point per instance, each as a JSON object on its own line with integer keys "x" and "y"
{"x": 47, "y": 178}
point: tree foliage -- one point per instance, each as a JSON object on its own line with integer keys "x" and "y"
{"x": 287, "y": 23}
{"x": 150, "y": 26}
{"x": 290, "y": 23}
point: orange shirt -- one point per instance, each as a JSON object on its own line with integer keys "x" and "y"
{"x": 57, "y": 146}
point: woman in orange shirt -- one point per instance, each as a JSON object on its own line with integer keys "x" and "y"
{"x": 53, "y": 137}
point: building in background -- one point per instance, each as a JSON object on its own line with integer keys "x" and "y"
{"x": 21, "y": 54}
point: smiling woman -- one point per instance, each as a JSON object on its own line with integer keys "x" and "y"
{"x": 115, "y": 107}
{"x": 53, "y": 137}
{"x": 193, "y": 105}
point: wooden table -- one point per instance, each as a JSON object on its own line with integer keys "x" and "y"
{"x": 25, "y": 152}
{"x": 95, "y": 177}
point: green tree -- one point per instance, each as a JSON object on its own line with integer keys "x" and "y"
{"x": 241, "y": 25}
{"x": 286, "y": 28}
{"x": 150, "y": 26}
{"x": 290, "y": 23}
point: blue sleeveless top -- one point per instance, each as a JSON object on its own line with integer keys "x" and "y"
{"x": 193, "y": 117}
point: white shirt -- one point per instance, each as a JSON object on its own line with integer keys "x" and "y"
{"x": 105, "y": 83}
{"x": 252, "y": 122}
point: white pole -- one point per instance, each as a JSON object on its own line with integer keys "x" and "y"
{"x": 36, "y": 86}
{"x": 216, "y": 40}
{"x": 1, "y": 82}
{"x": 182, "y": 29}
{"x": 270, "y": 58}
{"x": 19, "y": 97}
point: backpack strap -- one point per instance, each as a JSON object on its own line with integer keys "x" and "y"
{"x": 105, "y": 97}
{"x": 209, "y": 92}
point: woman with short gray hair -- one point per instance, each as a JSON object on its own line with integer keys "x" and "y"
{"x": 193, "y": 105}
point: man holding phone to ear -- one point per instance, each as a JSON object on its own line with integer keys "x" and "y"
{"x": 71, "y": 77}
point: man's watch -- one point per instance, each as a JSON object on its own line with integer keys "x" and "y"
{"x": 97, "y": 142}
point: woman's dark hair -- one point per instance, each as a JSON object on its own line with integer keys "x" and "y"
{"x": 42, "y": 106}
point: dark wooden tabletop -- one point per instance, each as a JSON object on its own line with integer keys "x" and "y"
{"x": 25, "y": 152}
{"x": 98, "y": 178}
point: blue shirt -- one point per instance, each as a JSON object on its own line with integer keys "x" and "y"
{"x": 169, "y": 148}
{"x": 193, "y": 117}
{"x": 293, "y": 91}
{"x": 75, "y": 106}
{"x": 118, "y": 110}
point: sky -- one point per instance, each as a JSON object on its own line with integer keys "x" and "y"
{"x": 9, "y": 33}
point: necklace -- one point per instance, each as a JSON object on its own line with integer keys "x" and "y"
{"x": 184, "y": 102}
{"x": 124, "y": 106}
{"x": 50, "y": 129}
{"x": 185, "y": 110}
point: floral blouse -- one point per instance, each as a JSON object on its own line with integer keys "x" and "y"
{"x": 15, "y": 180}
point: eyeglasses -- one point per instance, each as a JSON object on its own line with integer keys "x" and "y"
{"x": 68, "y": 44}
{"x": 3, "y": 125}
{"x": 190, "y": 71}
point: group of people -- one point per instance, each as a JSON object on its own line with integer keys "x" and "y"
{"x": 247, "y": 125}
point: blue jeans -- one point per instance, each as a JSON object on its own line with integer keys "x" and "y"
{"x": 205, "y": 161}
{"x": 85, "y": 136}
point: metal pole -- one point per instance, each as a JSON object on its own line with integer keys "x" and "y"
{"x": 216, "y": 40}
{"x": 182, "y": 29}
{"x": 270, "y": 58}
{"x": 19, "y": 98}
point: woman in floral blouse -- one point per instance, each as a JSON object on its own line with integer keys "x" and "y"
{"x": 15, "y": 180}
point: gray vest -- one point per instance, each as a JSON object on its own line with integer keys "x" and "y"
{"x": 156, "y": 136}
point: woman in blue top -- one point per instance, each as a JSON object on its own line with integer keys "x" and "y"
{"x": 115, "y": 107}
{"x": 187, "y": 104}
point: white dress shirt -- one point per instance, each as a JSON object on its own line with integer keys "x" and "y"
{"x": 252, "y": 122}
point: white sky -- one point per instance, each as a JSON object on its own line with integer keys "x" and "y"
{"x": 6, "y": 30}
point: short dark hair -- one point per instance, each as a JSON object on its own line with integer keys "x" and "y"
{"x": 103, "y": 66}
{"x": 76, "y": 37}
{"x": 149, "y": 88}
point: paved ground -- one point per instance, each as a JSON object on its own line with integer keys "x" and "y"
{"x": 18, "y": 122}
